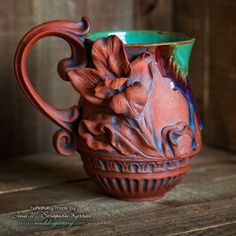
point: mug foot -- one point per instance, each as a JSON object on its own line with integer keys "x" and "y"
{"x": 135, "y": 180}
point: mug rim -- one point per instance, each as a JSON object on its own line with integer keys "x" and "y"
{"x": 183, "y": 38}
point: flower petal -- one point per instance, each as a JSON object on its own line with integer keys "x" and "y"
{"x": 107, "y": 88}
{"x": 137, "y": 97}
{"x": 102, "y": 91}
{"x": 93, "y": 133}
{"x": 110, "y": 133}
{"x": 110, "y": 58}
{"x": 93, "y": 141}
{"x": 143, "y": 69}
{"x": 119, "y": 103}
{"x": 85, "y": 81}
{"x": 177, "y": 139}
{"x": 131, "y": 102}
{"x": 116, "y": 84}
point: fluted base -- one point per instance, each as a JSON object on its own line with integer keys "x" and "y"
{"x": 136, "y": 179}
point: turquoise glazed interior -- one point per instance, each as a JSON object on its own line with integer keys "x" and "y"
{"x": 182, "y": 44}
{"x": 134, "y": 37}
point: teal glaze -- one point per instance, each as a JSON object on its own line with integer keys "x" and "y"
{"x": 181, "y": 43}
{"x": 182, "y": 54}
{"x": 143, "y": 37}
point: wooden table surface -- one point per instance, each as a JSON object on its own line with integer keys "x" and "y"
{"x": 203, "y": 204}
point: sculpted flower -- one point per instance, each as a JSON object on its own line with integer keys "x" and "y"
{"x": 105, "y": 132}
{"x": 114, "y": 81}
{"x": 177, "y": 139}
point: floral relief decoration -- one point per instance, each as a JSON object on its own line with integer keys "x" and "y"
{"x": 122, "y": 86}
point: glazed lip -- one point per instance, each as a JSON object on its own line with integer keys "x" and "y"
{"x": 173, "y": 38}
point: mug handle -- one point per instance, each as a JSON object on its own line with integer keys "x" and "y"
{"x": 67, "y": 119}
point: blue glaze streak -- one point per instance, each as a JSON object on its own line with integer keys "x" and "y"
{"x": 144, "y": 184}
{"x": 185, "y": 89}
{"x": 117, "y": 182}
{"x": 192, "y": 108}
{"x": 126, "y": 184}
{"x": 134, "y": 184}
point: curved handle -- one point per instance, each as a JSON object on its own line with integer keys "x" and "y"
{"x": 73, "y": 33}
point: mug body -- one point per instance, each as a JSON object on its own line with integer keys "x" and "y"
{"x": 136, "y": 125}
{"x": 139, "y": 142}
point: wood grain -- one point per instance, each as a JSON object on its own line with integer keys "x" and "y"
{"x": 154, "y": 15}
{"x": 221, "y": 119}
{"x": 156, "y": 221}
{"x": 204, "y": 204}
{"x": 212, "y": 65}
{"x": 189, "y": 19}
{"x": 23, "y": 130}
{"x": 38, "y": 170}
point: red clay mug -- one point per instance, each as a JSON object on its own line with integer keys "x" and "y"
{"x": 136, "y": 126}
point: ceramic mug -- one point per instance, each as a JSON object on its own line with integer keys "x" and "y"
{"x": 136, "y": 125}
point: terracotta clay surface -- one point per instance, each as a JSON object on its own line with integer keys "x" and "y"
{"x": 136, "y": 125}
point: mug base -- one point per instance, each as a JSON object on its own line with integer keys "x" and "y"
{"x": 135, "y": 180}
